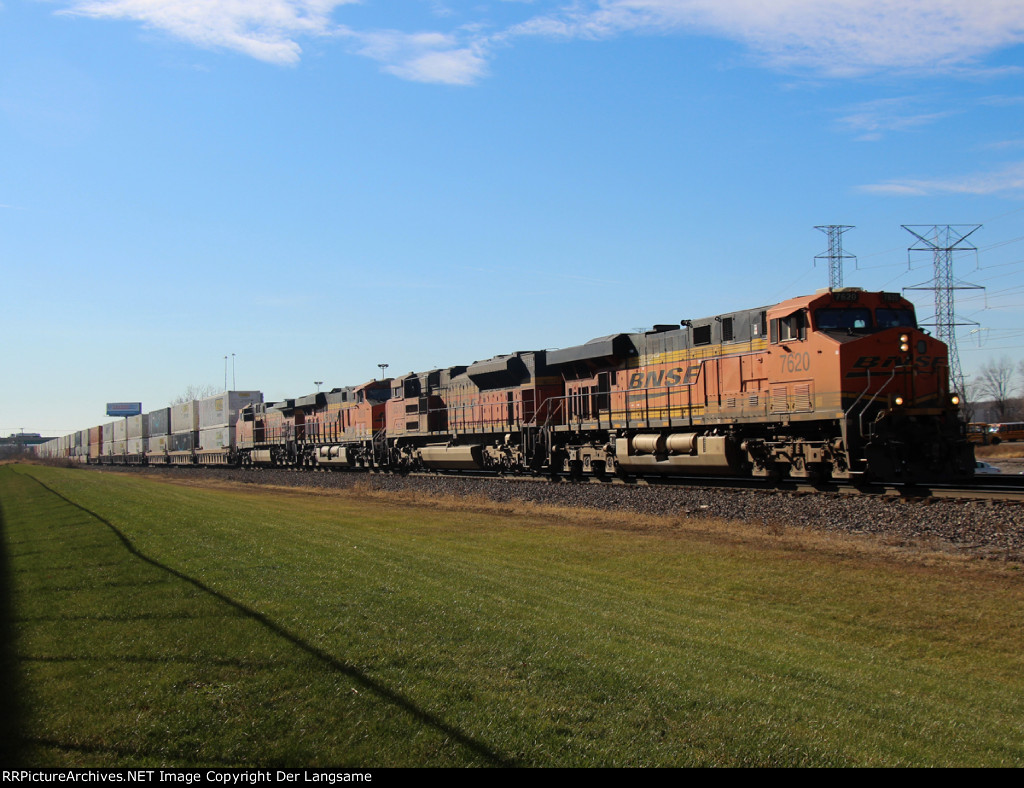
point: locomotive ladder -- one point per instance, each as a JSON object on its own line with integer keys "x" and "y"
{"x": 533, "y": 429}
{"x": 379, "y": 444}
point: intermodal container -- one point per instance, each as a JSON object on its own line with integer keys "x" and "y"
{"x": 160, "y": 422}
{"x": 184, "y": 441}
{"x": 138, "y": 426}
{"x": 185, "y": 417}
{"x": 222, "y": 410}
{"x": 217, "y": 438}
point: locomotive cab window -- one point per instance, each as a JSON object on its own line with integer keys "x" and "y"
{"x": 855, "y": 319}
{"x": 789, "y": 328}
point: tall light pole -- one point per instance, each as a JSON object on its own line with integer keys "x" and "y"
{"x": 383, "y": 368}
{"x": 234, "y": 385}
{"x": 318, "y": 384}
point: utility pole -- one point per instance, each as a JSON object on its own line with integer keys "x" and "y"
{"x": 835, "y": 254}
{"x": 942, "y": 240}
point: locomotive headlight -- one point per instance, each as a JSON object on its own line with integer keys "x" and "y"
{"x": 904, "y": 348}
{"x": 955, "y": 399}
{"x": 904, "y": 338}
{"x": 904, "y": 343}
{"x": 898, "y": 400}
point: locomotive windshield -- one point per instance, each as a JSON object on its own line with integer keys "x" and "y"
{"x": 857, "y": 319}
{"x": 861, "y": 319}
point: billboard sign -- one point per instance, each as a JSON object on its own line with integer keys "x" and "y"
{"x": 124, "y": 408}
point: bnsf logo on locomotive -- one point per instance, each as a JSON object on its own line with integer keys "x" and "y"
{"x": 677, "y": 376}
{"x": 874, "y": 363}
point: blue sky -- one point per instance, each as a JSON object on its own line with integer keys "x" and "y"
{"x": 318, "y": 187}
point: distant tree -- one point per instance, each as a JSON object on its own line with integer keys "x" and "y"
{"x": 995, "y": 383}
{"x": 193, "y": 391}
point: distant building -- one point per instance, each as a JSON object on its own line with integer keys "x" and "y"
{"x": 19, "y": 442}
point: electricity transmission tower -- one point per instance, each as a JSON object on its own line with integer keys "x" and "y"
{"x": 835, "y": 254}
{"x": 942, "y": 240}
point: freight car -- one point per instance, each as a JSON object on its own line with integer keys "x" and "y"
{"x": 841, "y": 384}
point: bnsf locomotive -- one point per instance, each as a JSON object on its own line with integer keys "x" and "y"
{"x": 841, "y": 384}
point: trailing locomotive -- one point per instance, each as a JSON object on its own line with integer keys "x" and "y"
{"x": 841, "y": 384}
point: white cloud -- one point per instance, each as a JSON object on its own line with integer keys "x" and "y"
{"x": 423, "y": 57}
{"x": 1010, "y": 179}
{"x": 1005, "y": 145}
{"x": 453, "y": 67}
{"x": 270, "y": 30}
{"x": 837, "y": 37}
{"x": 830, "y": 37}
{"x": 263, "y": 29}
{"x": 871, "y": 119}
{"x": 1002, "y": 101}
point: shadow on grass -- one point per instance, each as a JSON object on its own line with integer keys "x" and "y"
{"x": 329, "y": 661}
{"x": 12, "y": 709}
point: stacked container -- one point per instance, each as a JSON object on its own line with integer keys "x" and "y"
{"x": 120, "y": 439}
{"x": 138, "y": 431}
{"x": 107, "y": 449}
{"x": 217, "y": 417}
{"x": 184, "y": 431}
{"x": 159, "y": 441}
{"x": 95, "y": 443}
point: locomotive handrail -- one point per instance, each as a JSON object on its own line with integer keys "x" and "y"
{"x": 860, "y": 416}
{"x": 549, "y": 412}
{"x": 860, "y": 396}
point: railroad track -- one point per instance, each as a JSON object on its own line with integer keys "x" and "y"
{"x": 1007, "y": 488}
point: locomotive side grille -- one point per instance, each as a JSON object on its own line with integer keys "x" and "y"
{"x": 802, "y": 398}
{"x": 779, "y": 403}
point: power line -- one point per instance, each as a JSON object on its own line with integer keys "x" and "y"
{"x": 834, "y": 255}
{"x": 942, "y": 241}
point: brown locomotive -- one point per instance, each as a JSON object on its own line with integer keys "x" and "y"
{"x": 841, "y": 384}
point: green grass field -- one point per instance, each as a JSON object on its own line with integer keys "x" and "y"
{"x": 154, "y": 623}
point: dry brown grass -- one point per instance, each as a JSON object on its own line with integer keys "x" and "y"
{"x": 1004, "y": 451}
